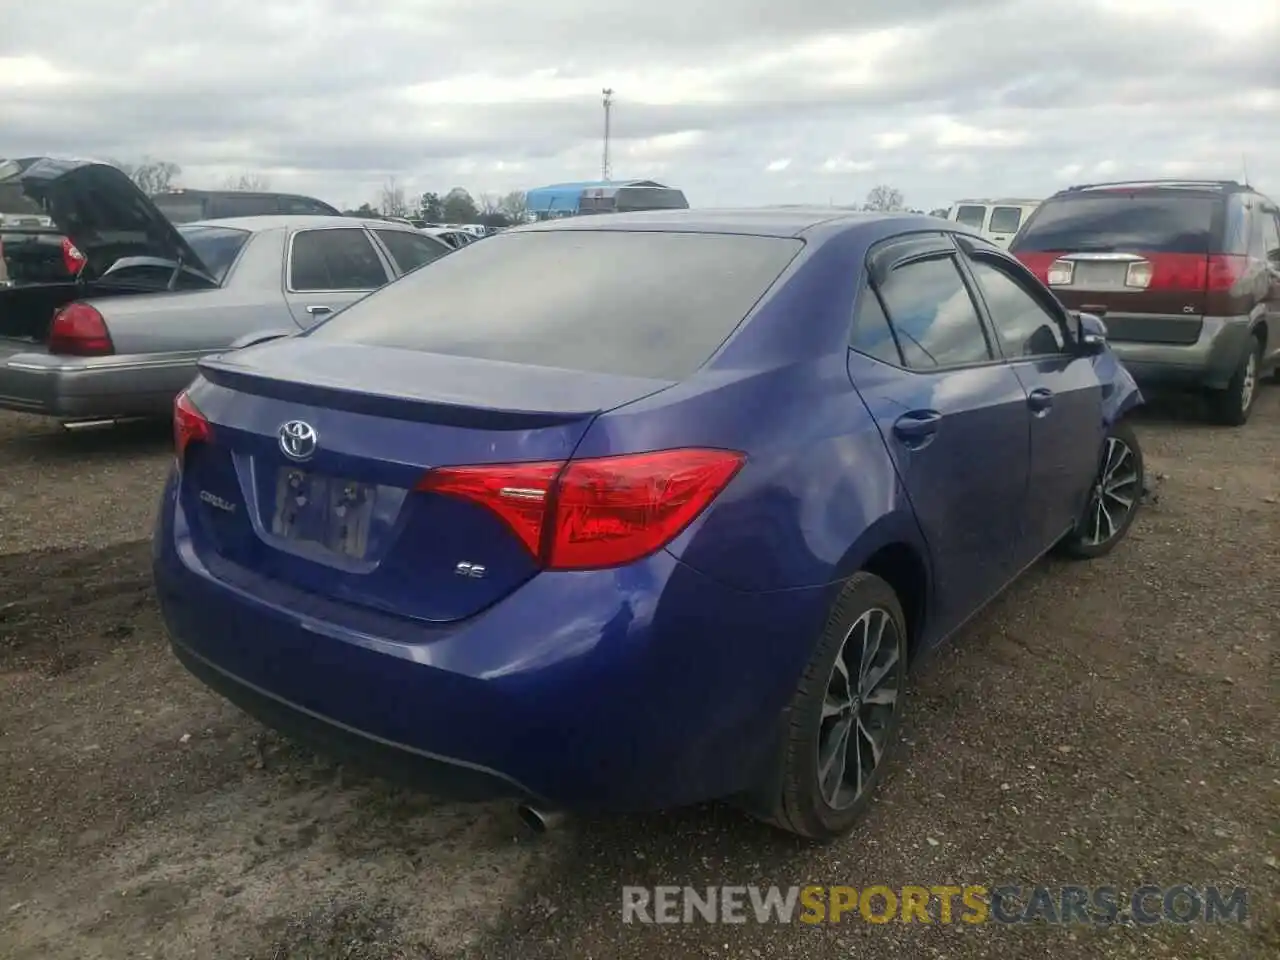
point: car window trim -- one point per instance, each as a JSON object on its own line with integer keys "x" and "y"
{"x": 946, "y": 249}
{"x": 388, "y": 273}
{"x": 389, "y": 255}
{"x": 1019, "y": 275}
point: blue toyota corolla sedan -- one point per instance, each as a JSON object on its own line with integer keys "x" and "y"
{"x": 628, "y": 512}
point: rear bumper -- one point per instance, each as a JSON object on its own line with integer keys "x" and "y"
{"x": 1210, "y": 362}
{"x": 640, "y": 688}
{"x": 33, "y": 381}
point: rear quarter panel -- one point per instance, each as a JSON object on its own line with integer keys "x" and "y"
{"x": 818, "y": 493}
{"x": 204, "y": 321}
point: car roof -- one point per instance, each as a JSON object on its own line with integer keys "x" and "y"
{"x": 296, "y": 221}
{"x": 813, "y": 222}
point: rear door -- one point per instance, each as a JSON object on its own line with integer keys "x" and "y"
{"x": 1004, "y": 223}
{"x": 330, "y": 268}
{"x": 1138, "y": 257}
{"x": 1064, "y": 394}
{"x": 953, "y": 415}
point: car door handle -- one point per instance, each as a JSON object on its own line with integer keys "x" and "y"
{"x": 1040, "y": 399}
{"x": 317, "y": 308}
{"x": 917, "y": 428}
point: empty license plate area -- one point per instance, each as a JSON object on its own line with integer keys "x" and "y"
{"x": 327, "y": 512}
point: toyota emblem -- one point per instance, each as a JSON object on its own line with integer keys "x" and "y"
{"x": 298, "y": 440}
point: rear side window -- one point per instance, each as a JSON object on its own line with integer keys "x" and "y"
{"x": 934, "y": 316}
{"x": 971, "y": 216}
{"x": 1147, "y": 223}
{"x": 216, "y": 247}
{"x": 1005, "y": 219}
{"x": 342, "y": 259}
{"x": 410, "y": 250}
{"x": 643, "y": 304}
{"x": 872, "y": 334}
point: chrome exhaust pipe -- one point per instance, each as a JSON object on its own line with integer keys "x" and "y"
{"x": 71, "y": 426}
{"x": 539, "y": 820}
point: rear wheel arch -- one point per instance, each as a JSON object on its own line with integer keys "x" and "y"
{"x": 903, "y": 568}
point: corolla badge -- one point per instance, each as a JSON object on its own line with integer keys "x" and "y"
{"x": 298, "y": 440}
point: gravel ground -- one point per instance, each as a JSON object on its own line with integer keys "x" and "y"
{"x": 1113, "y": 722}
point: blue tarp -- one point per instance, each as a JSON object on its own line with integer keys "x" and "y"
{"x": 561, "y": 197}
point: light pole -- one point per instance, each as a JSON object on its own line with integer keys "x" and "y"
{"x": 608, "y": 112}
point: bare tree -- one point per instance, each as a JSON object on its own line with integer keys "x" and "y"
{"x": 391, "y": 199}
{"x": 151, "y": 176}
{"x": 490, "y": 204}
{"x": 515, "y": 206}
{"x": 884, "y": 198}
{"x": 251, "y": 182}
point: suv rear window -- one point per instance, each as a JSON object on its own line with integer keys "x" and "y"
{"x": 642, "y": 304}
{"x": 971, "y": 216}
{"x": 180, "y": 209}
{"x": 1150, "y": 223}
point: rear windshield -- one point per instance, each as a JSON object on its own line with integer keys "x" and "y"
{"x": 180, "y": 209}
{"x": 215, "y": 246}
{"x": 1006, "y": 219}
{"x": 1153, "y": 223}
{"x": 635, "y": 304}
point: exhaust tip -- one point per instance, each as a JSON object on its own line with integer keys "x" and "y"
{"x": 539, "y": 820}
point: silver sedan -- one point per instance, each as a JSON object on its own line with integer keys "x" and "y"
{"x": 125, "y": 338}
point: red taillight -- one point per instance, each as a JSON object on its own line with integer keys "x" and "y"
{"x": 72, "y": 258}
{"x": 189, "y": 425}
{"x": 1224, "y": 272}
{"x": 1038, "y": 263}
{"x": 78, "y": 330}
{"x": 594, "y": 513}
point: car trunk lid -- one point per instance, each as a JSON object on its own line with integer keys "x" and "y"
{"x": 314, "y": 473}
{"x": 102, "y": 212}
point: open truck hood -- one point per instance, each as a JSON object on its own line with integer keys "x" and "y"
{"x": 102, "y": 212}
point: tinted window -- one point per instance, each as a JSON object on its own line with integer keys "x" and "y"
{"x": 1024, "y": 326}
{"x": 180, "y": 209}
{"x": 934, "y": 316}
{"x": 306, "y": 206}
{"x": 341, "y": 259}
{"x": 215, "y": 246}
{"x": 972, "y": 216}
{"x": 1005, "y": 219}
{"x": 410, "y": 250}
{"x": 872, "y": 334}
{"x": 650, "y": 198}
{"x": 230, "y": 205}
{"x": 1152, "y": 223}
{"x": 639, "y": 304}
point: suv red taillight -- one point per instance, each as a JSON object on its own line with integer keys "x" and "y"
{"x": 594, "y": 513}
{"x": 78, "y": 330}
{"x": 189, "y": 426}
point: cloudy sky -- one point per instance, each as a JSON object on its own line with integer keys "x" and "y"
{"x": 736, "y": 101}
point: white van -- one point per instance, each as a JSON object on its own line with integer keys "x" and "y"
{"x": 1000, "y": 220}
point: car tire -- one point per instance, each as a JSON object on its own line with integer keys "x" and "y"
{"x": 1121, "y": 477}
{"x": 867, "y": 607}
{"x": 1231, "y": 407}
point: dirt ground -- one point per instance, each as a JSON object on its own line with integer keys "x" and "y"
{"x": 1114, "y": 722}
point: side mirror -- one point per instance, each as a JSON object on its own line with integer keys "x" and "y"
{"x": 1091, "y": 333}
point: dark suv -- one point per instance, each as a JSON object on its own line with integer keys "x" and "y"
{"x": 1186, "y": 274}
{"x": 187, "y": 206}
